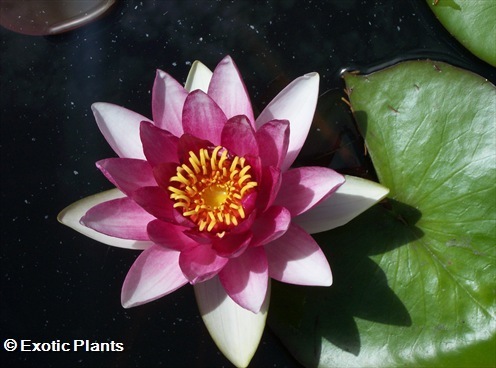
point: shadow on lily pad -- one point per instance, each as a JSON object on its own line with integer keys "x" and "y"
{"x": 303, "y": 316}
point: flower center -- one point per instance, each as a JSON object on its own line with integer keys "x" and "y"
{"x": 210, "y": 190}
{"x": 214, "y": 196}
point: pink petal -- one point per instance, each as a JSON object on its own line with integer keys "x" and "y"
{"x": 120, "y": 127}
{"x": 163, "y": 172}
{"x": 189, "y": 143}
{"x": 273, "y": 140}
{"x": 155, "y": 273}
{"x": 170, "y": 236}
{"x": 71, "y": 216}
{"x": 268, "y": 187}
{"x": 228, "y": 90}
{"x": 121, "y": 218}
{"x": 236, "y": 331}
{"x": 245, "y": 279}
{"x": 201, "y": 263}
{"x": 158, "y": 145}
{"x": 168, "y": 98}
{"x": 202, "y": 117}
{"x": 271, "y": 225}
{"x": 248, "y": 203}
{"x": 199, "y": 237}
{"x": 232, "y": 245}
{"x": 303, "y": 187}
{"x": 239, "y": 137}
{"x": 157, "y": 202}
{"x": 295, "y": 103}
{"x": 295, "y": 258}
{"x": 127, "y": 174}
{"x": 256, "y": 166}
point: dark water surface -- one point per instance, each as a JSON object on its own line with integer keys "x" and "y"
{"x": 58, "y": 285}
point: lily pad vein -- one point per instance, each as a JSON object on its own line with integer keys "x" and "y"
{"x": 453, "y": 278}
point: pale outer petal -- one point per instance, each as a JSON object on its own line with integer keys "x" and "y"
{"x": 198, "y": 78}
{"x": 235, "y": 330}
{"x": 295, "y": 103}
{"x": 71, "y": 216}
{"x": 351, "y": 199}
{"x": 155, "y": 273}
{"x": 120, "y": 127}
{"x": 228, "y": 90}
{"x": 167, "y": 103}
{"x": 296, "y": 258}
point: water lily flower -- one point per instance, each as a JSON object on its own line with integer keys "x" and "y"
{"x": 207, "y": 192}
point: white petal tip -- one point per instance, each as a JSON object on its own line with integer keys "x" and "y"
{"x": 325, "y": 281}
{"x": 126, "y": 306}
{"x": 236, "y": 331}
{"x": 312, "y": 75}
{"x": 352, "y": 198}
{"x": 130, "y": 304}
{"x": 199, "y": 77}
{"x": 161, "y": 74}
{"x": 72, "y": 214}
{"x": 96, "y": 106}
{"x": 328, "y": 282}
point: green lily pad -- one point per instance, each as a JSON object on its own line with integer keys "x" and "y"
{"x": 414, "y": 277}
{"x": 472, "y": 23}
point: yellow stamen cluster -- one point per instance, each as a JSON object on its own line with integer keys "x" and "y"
{"x": 211, "y": 187}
